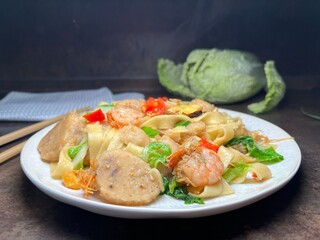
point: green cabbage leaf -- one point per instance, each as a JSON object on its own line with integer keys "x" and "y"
{"x": 275, "y": 90}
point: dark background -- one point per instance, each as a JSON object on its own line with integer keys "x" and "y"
{"x": 113, "y": 40}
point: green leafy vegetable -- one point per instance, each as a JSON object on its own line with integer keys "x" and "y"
{"x": 245, "y": 140}
{"x": 275, "y": 90}
{"x": 150, "y": 131}
{"x": 182, "y": 123}
{"x": 266, "y": 156}
{"x": 239, "y": 169}
{"x": 78, "y": 153}
{"x": 74, "y": 150}
{"x": 172, "y": 184}
{"x": 169, "y": 76}
{"x": 156, "y": 153}
{"x": 173, "y": 189}
{"x": 106, "y": 107}
{"x": 218, "y": 76}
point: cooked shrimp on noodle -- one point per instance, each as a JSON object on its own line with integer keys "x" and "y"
{"x": 135, "y": 104}
{"x": 120, "y": 117}
{"x": 199, "y": 168}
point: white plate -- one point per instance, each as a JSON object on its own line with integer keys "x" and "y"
{"x": 166, "y": 207}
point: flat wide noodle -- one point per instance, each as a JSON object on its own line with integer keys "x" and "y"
{"x": 220, "y": 135}
{"x": 211, "y": 118}
{"x": 221, "y": 188}
{"x": 165, "y": 121}
{"x": 95, "y": 137}
{"x": 64, "y": 164}
{"x": 225, "y": 155}
{"x": 260, "y": 171}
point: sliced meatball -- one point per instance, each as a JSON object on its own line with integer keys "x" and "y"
{"x": 68, "y": 132}
{"x": 125, "y": 179}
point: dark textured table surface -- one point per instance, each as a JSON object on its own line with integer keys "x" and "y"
{"x": 293, "y": 212}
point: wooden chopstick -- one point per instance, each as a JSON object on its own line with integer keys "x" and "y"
{"x": 9, "y": 153}
{"x": 27, "y": 130}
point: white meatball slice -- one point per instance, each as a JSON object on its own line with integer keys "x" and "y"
{"x": 125, "y": 179}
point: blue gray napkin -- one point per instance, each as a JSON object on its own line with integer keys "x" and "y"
{"x": 25, "y": 106}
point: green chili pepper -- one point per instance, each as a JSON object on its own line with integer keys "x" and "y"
{"x": 182, "y": 123}
{"x": 150, "y": 131}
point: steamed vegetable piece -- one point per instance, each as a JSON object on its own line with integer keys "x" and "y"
{"x": 223, "y": 77}
{"x": 78, "y": 153}
{"x": 266, "y": 155}
{"x": 275, "y": 90}
{"x": 239, "y": 169}
{"x": 173, "y": 189}
{"x": 156, "y": 153}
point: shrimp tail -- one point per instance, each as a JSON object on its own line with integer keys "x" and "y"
{"x": 175, "y": 157}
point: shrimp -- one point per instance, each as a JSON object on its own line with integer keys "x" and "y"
{"x": 122, "y": 116}
{"x": 135, "y": 104}
{"x": 199, "y": 168}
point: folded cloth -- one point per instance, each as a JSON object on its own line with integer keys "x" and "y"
{"x": 24, "y": 106}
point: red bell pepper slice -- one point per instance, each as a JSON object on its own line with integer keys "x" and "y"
{"x": 154, "y": 106}
{"x": 95, "y": 116}
{"x": 205, "y": 143}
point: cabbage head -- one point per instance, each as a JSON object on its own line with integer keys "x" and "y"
{"x": 219, "y": 76}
